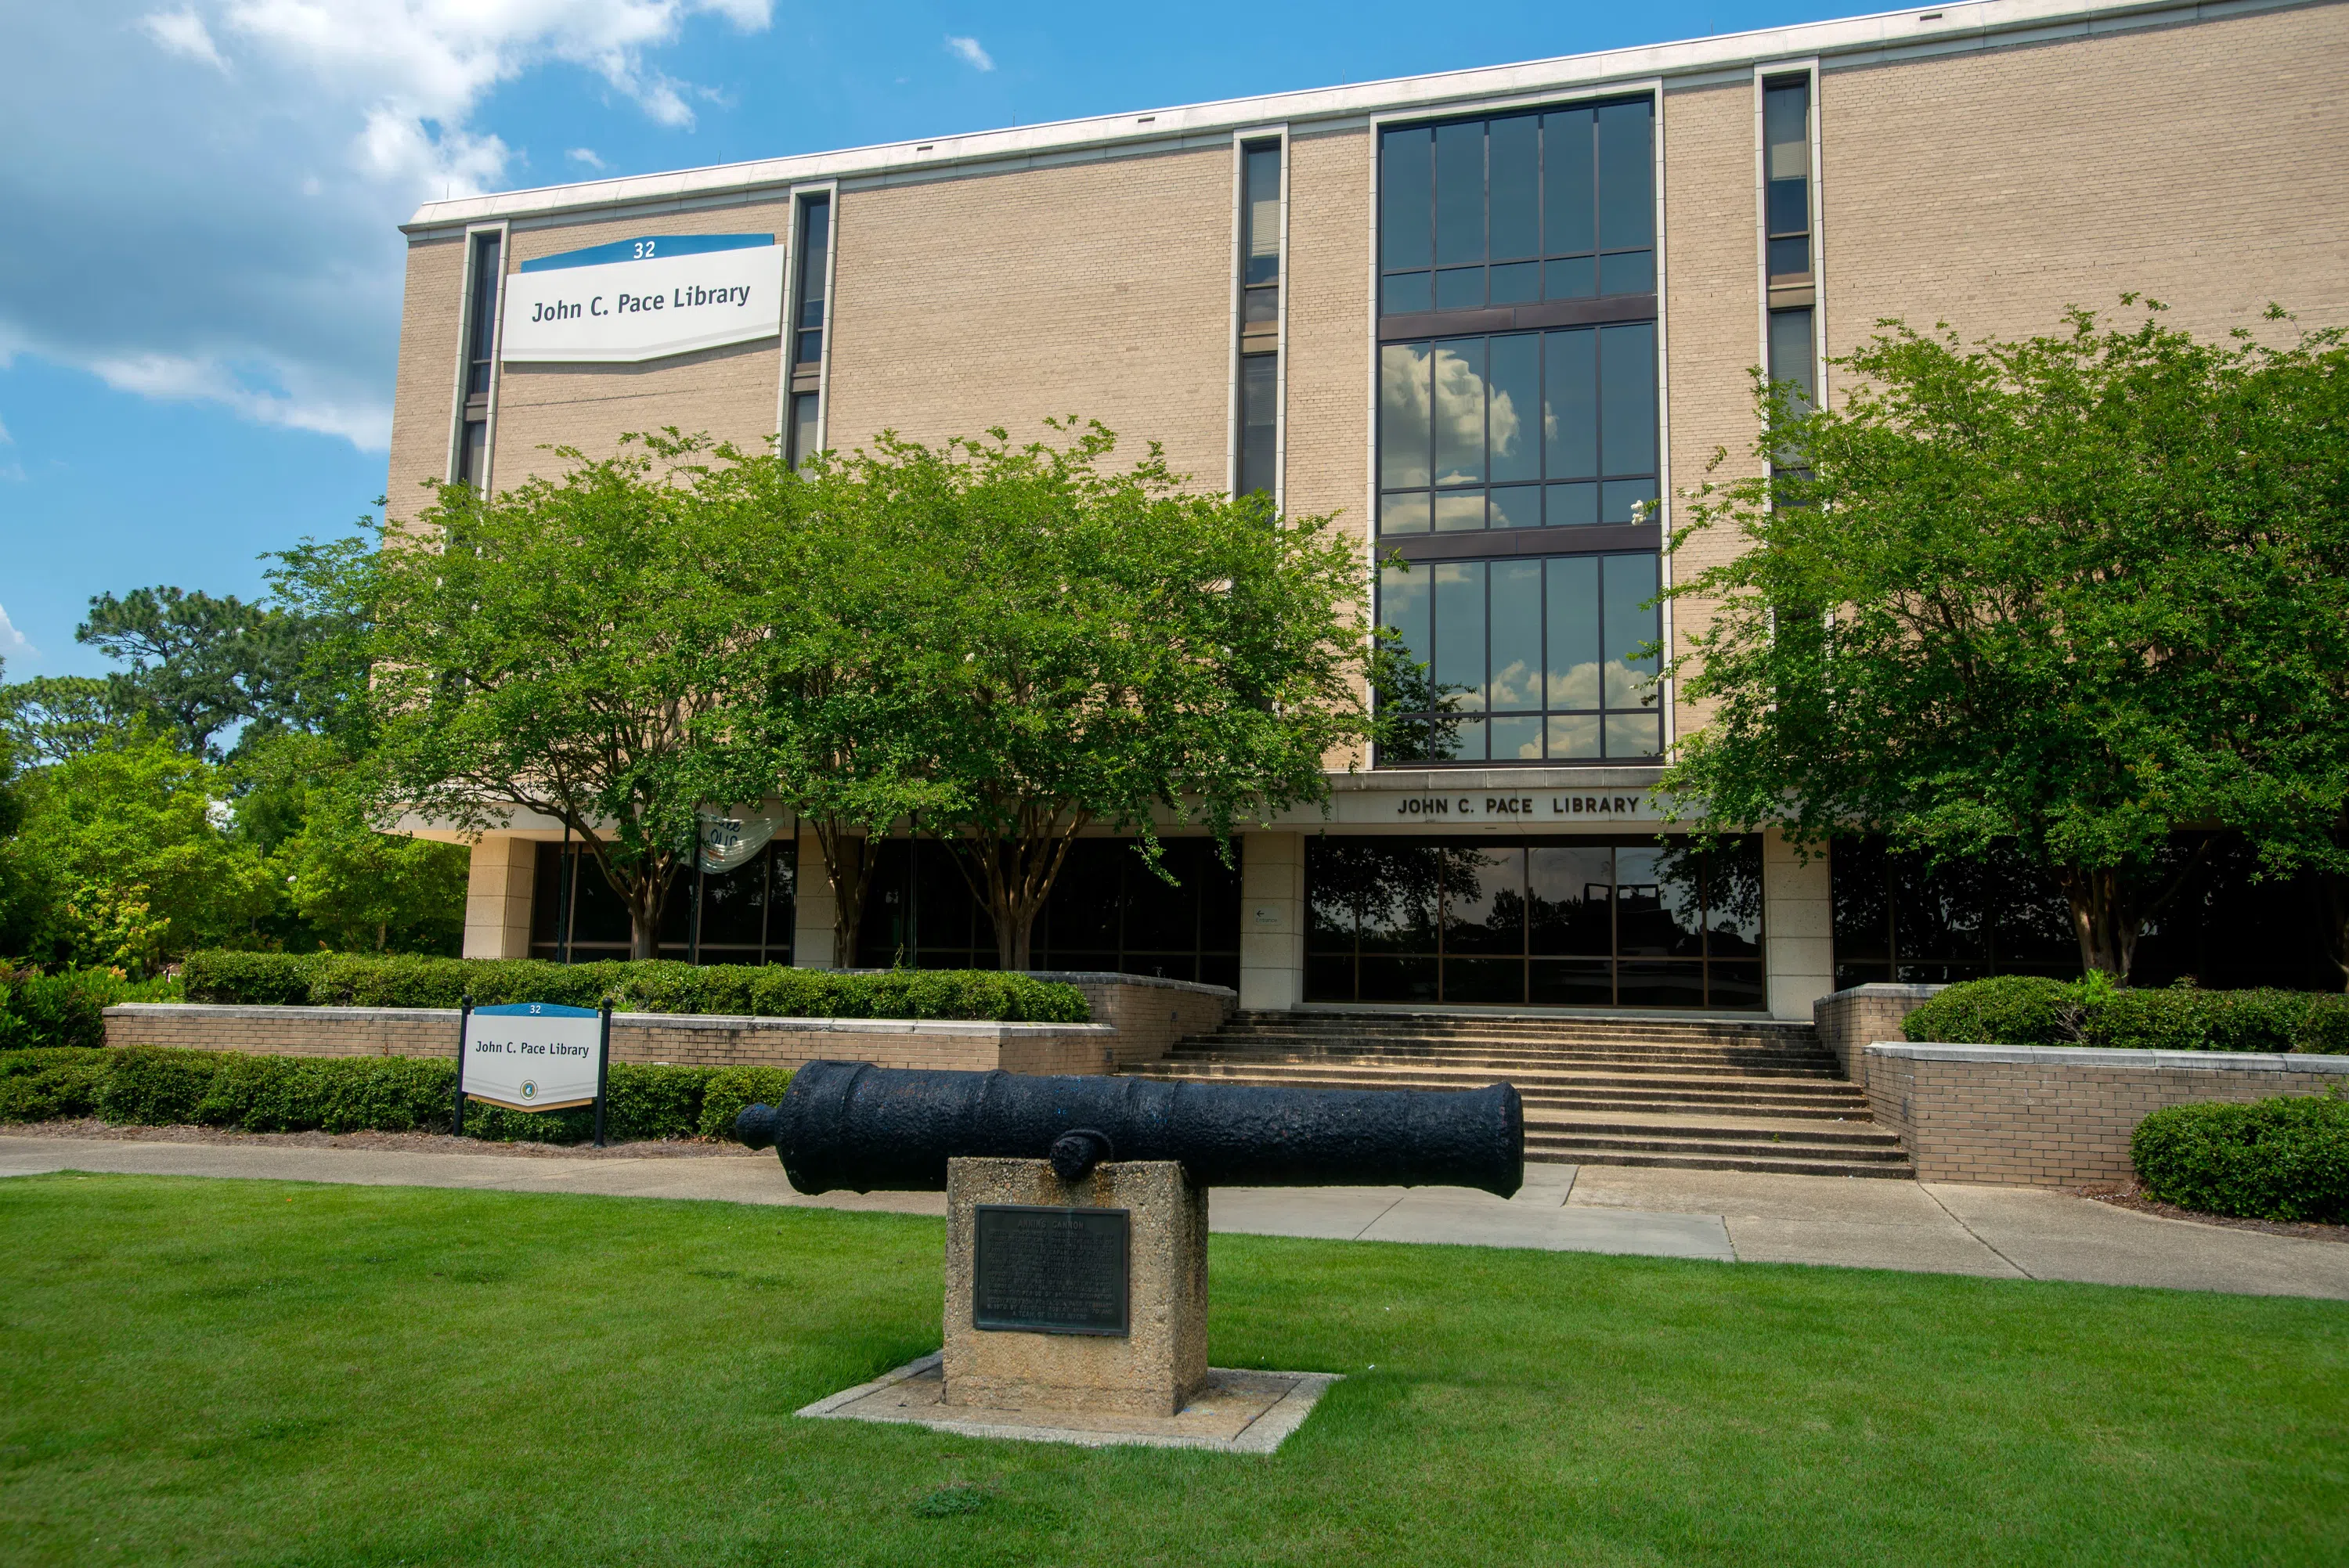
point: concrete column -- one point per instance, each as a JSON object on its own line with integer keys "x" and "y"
{"x": 1272, "y": 920}
{"x": 1797, "y": 932}
{"x": 497, "y": 897}
{"x": 812, "y": 928}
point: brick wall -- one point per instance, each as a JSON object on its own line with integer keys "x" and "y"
{"x": 423, "y": 406}
{"x": 1137, "y": 1017}
{"x": 2199, "y": 163}
{"x": 1101, "y": 289}
{"x": 1849, "y": 1021}
{"x": 1148, "y": 1014}
{"x": 2042, "y": 1116}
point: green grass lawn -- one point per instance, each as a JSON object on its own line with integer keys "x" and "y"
{"x": 260, "y": 1372}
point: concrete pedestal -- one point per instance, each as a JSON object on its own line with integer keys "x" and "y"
{"x": 1152, "y": 1369}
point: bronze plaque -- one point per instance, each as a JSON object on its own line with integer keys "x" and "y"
{"x": 1041, "y": 1270}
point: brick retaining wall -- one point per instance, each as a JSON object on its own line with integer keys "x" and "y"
{"x": 1849, "y": 1021}
{"x": 2056, "y": 1116}
{"x": 1139, "y": 1017}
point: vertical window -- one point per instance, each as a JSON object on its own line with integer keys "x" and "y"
{"x": 1786, "y": 178}
{"x": 815, "y": 236}
{"x": 1524, "y": 659}
{"x": 1259, "y": 281}
{"x": 481, "y": 350}
{"x": 802, "y": 430}
{"x": 1793, "y": 358}
{"x": 1517, "y": 209}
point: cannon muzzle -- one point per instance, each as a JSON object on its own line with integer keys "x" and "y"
{"x": 866, "y": 1128}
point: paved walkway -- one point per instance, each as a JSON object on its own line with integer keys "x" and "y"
{"x": 2017, "y": 1232}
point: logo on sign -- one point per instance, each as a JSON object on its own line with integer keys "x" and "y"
{"x": 529, "y": 1089}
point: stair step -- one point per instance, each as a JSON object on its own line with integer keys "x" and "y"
{"x": 1785, "y": 1167}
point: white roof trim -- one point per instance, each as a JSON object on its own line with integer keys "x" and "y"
{"x": 1894, "y": 32}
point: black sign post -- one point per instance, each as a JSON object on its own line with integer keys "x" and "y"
{"x": 603, "y": 1070}
{"x": 464, "y": 1034}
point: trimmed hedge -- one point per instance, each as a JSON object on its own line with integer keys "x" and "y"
{"x": 67, "y": 1008}
{"x": 158, "y": 1085}
{"x": 2028, "y": 1010}
{"x": 648, "y": 986}
{"x": 2285, "y": 1158}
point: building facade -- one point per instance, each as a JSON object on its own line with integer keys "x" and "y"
{"x": 1494, "y": 319}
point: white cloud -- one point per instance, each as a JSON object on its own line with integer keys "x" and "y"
{"x": 5, "y": 439}
{"x": 12, "y": 641}
{"x": 228, "y": 233}
{"x": 586, "y": 155}
{"x": 968, "y": 51}
{"x": 184, "y": 32}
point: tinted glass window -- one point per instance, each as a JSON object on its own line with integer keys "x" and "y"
{"x": 1522, "y": 660}
{"x": 1259, "y": 421}
{"x": 1469, "y": 210}
{"x": 1572, "y": 412}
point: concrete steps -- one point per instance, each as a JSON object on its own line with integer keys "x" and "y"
{"x": 1700, "y": 1094}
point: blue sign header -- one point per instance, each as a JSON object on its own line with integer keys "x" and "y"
{"x": 536, "y": 1010}
{"x": 652, "y": 248}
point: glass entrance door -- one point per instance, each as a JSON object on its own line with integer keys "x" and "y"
{"x": 1582, "y": 923}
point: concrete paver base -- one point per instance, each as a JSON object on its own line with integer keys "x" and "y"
{"x": 1237, "y": 1412}
{"x": 1724, "y": 1215}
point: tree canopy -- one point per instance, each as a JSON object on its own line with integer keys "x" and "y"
{"x": 2073, "y": 593}
{"x": 1042, "y": 641}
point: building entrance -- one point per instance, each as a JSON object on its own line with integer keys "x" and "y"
{"x": 1586, "y": 921}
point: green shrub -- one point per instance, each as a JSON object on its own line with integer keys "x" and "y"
{"x": 66, "y": 1008}
{"x": 732, "y": 1090}
{"x": 2004, "y": 1010}
{"x": 47, "y": 1083}
{"x": 2285, "y": 1158}
{"x": 2325, "y": 1029}
{"x": 160, "y": 1085}
{"x": 157, "y": 1085}
{"x": 2025, "y": 1010}
{"x": 649, "y": 985}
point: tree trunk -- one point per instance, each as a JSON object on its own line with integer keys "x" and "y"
{"x": 848, "y": 859}
{"x": 2107, "y": 929}
{"x": 1015, "y": 874}
{"x": 2110, "y": 912}
{"x": 2334, "y": 889}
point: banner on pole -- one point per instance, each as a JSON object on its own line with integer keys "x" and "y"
{"x": 534, "y": 1056}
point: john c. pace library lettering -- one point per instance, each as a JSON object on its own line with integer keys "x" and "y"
{"x": 1498, "y": 321}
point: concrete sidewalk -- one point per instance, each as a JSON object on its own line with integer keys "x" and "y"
{"x": 2018, "y": 1233}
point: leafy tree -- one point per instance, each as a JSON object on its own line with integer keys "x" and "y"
{"x": 51, "y": 718}
{"x": 130, "y": 842}
{"x": 825, "y": 712}
{"x": 2071, "y": 593}
{"x": 203, "y": 664}
{"x": 555, "y": 649}
{"x": 1078, "y": 644}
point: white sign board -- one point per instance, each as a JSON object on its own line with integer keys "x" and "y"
{"x": 636, "y": 300}
{"x": 534, "y": 1055}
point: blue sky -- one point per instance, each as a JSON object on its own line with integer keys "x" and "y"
{"x": 200, "y": 286}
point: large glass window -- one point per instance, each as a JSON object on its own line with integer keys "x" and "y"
{"x": 1527, "y": 659}
{"x": 1517, "y": 209}
{"x": 1598, "y": 923}
{"x": 739, "y": 916}
{"x": 1107, "y": 912}
{"x": 1522, "y": 430}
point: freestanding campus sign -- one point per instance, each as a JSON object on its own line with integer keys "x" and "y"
{"x": 534, "y": 1055}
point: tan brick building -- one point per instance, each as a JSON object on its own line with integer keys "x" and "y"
{"x": 1494, "y": 319}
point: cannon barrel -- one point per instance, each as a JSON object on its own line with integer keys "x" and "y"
{"x": 868, "y": 1129}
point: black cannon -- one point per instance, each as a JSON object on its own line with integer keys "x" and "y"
{"x": 866, "y": 1128}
